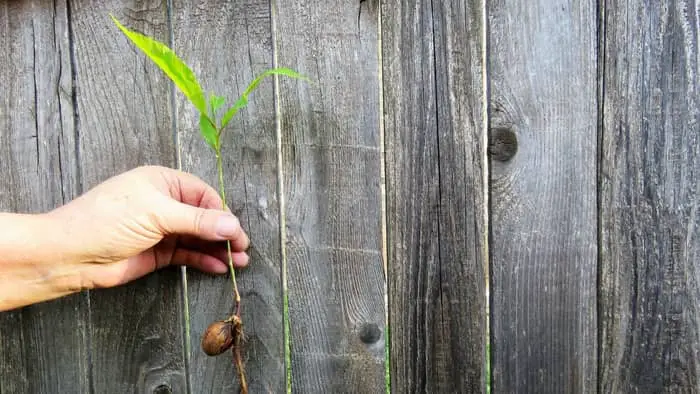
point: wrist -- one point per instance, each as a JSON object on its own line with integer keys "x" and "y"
{"x": 35, "y": 262}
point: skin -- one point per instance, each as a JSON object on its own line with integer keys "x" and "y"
{"x": 123, "y": 229}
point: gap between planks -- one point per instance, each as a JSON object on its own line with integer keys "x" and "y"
{"x": 184, "y": 298}
{"x": 382, "y": 207}
{"x": 282, "y": 205}
{"x": 486, "y": 249}
{"x": 184, "y": 295}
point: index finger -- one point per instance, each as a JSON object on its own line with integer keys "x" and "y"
{"x": 192, "y": 190}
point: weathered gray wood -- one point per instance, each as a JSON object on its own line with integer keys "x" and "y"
{"x": 124, "y": 120}
{"x": 228, "y": 45}
{"x": 434, "y": 126}
{"x": 332, "y": 204}
{"x": 650, "y": 190}
{"x": 42, "y": 347}
{"x": 543, "y": 199}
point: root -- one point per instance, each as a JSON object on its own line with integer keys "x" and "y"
{"x": 236, "y": 352}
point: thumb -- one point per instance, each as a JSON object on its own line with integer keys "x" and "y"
{"x": 207, "y": 224}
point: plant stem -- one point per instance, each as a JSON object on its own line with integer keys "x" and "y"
{"x": 220, "y": 168}
{"x": 238, "y": 325}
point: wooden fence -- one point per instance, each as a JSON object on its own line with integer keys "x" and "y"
{"x": 512, "y": 184}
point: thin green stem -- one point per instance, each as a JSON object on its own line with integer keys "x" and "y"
{"x": 222, "y": 191}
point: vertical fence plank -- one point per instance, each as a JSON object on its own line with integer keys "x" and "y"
{"x": 331, "y": 178}
{"x": 42, "y": 347}
{"x": 650, "y": 177}
{"x": 543, "y": 195}
{"x": 124, "y": 120}
{"x": 228, "y": 44}
{"x": 433, "y": 65}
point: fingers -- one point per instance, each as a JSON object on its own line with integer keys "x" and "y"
{"x": 194, "y": 191}
{"x": 207, "y": 224}
{"x": 207, "y": 263}
{"x": 216, "y": 249}
{"x": 240, "y": 259}
{"x": 108, "y": 275}
{"x": 125, "y": 271}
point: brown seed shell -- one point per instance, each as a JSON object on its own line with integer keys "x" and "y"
{"x": 217, "y": 338}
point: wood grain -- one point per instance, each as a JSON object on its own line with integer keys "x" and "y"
{"x": 543, "y": 200}
{"x": 43, "y": 346}
{"x": 650, "y": 177}
{"x": 124, "y": 120}
{"x": 434, "y": 125}
{"x": 228, "y": 44}
{"x": 331, "y": 177}
{"x": 433, "y": 65}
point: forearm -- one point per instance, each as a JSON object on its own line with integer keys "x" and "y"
{"x": 33, "y": 263}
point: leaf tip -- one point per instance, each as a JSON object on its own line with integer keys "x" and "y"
{"x": 115, "y": 20}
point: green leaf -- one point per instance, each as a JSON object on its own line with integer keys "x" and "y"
{"x": 240, "y": 103}
{"x": 216, "y": 102}
{"x": 170, "y": 64}
{"x": 243, "y": 100}
{"x": 208, "y": 131}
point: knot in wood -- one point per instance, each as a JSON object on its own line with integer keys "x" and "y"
{"x": 503, "y": 144}
{"x": 370, "y": 333}
{"x": 163, "y": 389}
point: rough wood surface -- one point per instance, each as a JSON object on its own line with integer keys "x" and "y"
{"x": 331, "y": 177}
{"x": 543, "y": 200}
{"x": 228, "y": 44}
{"x": 80, "y": 103}
{"x": 650, "y": 187}
{"x": 42, "y": 347}
{"x": 124, "y": 120}
{"x": 434, "y": 126}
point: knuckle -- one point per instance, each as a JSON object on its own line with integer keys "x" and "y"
{"x": 199, "y": 220}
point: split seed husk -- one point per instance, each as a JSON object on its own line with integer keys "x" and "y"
{"x": 218, "y": 337}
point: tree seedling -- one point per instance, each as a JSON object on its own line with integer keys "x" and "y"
{"x": 225, "y": 334}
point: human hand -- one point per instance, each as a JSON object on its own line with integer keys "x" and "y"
{"x": 145, "y": 219}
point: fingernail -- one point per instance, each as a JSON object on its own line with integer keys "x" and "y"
{"x": 227, "y": 226}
